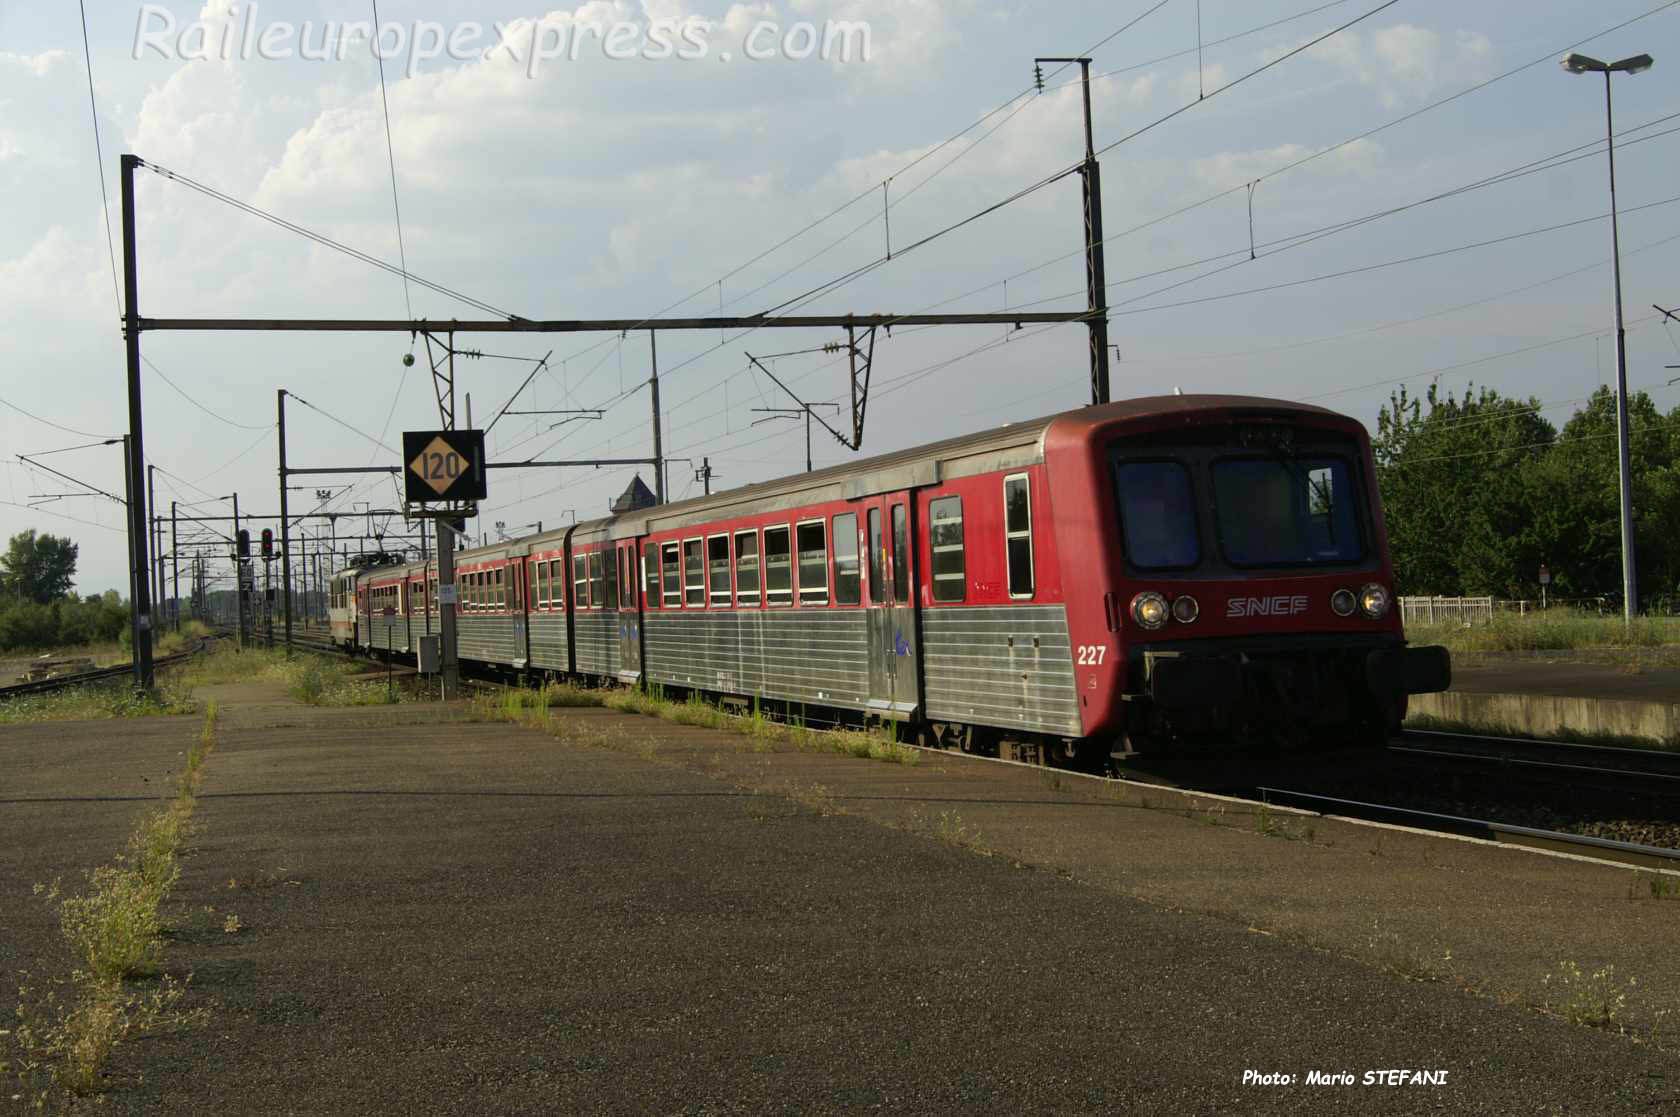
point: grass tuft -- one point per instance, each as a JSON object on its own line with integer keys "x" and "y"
{"x": 1592, "y": 1000}
{"x": 530, "y": 707}
{"x": 67, "y": 1027}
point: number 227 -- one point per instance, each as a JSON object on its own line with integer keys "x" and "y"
{"x": 1091, "y": 655}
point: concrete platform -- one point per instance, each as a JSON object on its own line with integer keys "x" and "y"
{"x": 637, "y": 917}
{"x": 1545, "y": 697}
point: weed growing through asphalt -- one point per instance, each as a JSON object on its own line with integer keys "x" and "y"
{"x": 815, "y": 796}
{"x": 951, "y": 828}
{"x": 1401, "y": 956}
{"x": 531, "y": 707}
{"x": 68, "y": 1026}
{"x": 1661, "y": 886}
{"x": 1593, "y": 1000}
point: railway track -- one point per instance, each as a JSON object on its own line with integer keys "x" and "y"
{"x": 1542, "y": 756}
{"x": 1628, "y": 853}
{"x": 102, "y": 674}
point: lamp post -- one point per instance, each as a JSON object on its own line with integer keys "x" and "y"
{"x": 1581, "y": 64}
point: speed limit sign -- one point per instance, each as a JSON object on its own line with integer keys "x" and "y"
{"x": 443, "y": 466}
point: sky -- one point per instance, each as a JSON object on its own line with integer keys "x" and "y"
{"x": 592, "y": 178}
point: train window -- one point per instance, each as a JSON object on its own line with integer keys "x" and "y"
{"x": 813, "y": 563}
{"x": 609, "y": 587}
{"x": 717, "y": 569}
{"x": 650, "y": 571}
{"x": 846, "y": 574}
{"x": 580, "y": 581}
{"x": 901, "y": 554}
{"x": 543, "y": 582}
{"x": 1158, "y": 515}
{"x": 500, "y": 601}
{"x": 694, "y": 574}
{"x": 1286, "y": 511}
{"x": 746, "y": 568}
{"x": 877, "y": 558}
{"x": 671, "y": 559}
{"x": 778, "y": 567}
{"x": 1017, "y": 534}
{"x": 945, "y": 547}
{"x": 602, "y": 593}
{"x": 627, "y": 577}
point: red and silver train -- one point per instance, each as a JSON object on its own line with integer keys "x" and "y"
{"x": 1150, "y": 574}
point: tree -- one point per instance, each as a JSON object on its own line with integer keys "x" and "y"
{"x": 1457, "y": 490}
{"x": 1578, "y": 510}
{"x": 37, "y": 568}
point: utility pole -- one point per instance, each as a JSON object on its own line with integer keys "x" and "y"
{"x": 133, "y": 571}
{"x": 658, "y": 441}
{"x": 1096, "y": 276}
{"x": 1637, "y": 64}
{"x": 175, "y": 561}
{"x": 704, "y": 473}
{"x": 137, "y": 504}
{"x": 155, "y": 571}
{"x": 285, "y": 533}
{"x": 240, "y": 559}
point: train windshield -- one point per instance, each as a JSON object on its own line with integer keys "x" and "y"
{"x": 1282, "y": 510}
{"x": 1158, "y": 515}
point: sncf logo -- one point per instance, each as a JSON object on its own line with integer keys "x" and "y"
{"x": 1283, "y": 605}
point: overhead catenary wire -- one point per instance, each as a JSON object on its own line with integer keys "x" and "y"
{"x": 1347, "y": 142}
{"x": 1296, "y": 163}
{"x": 1299, "y": 239}
{"x": 859, "y": 272}
{"x": 99, "y": 156}
{"x": 326, "y": 241}
{"x": 49, "y": 422}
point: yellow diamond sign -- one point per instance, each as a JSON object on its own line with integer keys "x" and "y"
{"x": 446, "y": 465}
{"x": 439, "y": 465}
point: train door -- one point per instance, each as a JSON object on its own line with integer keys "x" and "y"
{"x": 517, "y": 598}
{"x": 629, "y": 617}
{"x": 890, "y": 605}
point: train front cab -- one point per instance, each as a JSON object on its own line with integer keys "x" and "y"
{"x": 1246, "y": 596}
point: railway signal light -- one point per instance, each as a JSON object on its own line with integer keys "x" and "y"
{"x": 268, "y": 543}
{"x": 244, "y": 543}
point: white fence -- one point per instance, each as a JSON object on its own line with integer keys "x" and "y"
{"x": 1446, "y": 610}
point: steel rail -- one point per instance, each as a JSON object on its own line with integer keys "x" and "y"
{"x": 1503, "y": 833}
{"x": 1654, "y": 764}
{"x": 65, "y": 682}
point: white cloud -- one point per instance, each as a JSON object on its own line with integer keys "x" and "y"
{"x": 1191, "y": 83}
{"x": 1404, "y": 62}
{"x": 1233, "y": 168}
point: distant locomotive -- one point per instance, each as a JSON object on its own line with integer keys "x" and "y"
{"x": 1156, "y": 573}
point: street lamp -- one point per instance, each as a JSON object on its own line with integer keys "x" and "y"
{"x": 1581, "y": 64}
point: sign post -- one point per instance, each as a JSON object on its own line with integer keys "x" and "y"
{"x": 444, "y": 478}
{"x": 1545, "y": 580}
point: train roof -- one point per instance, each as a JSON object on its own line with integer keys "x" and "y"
{"x": 1009, "y": 446}
{"x": 1012, "y": 445}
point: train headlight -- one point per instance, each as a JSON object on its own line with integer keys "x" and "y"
{"x": 1185, "y": 610}
{"x": 1373, "y": 599}
{"x": 1343, "y": 603}
{"x": 1150, "y": 610}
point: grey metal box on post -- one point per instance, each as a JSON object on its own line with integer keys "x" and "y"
{"x": 431, "y": 654}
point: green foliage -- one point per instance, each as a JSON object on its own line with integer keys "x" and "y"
{"x": 95, "y": 701}
{"x": 67, "y": 622}
{"x": 38, "y": 568}
{"x": 1478, "y": 491}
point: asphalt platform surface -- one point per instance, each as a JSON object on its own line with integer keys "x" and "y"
{"x": 442, "y": 916}
{"x": 1486, "y": 675}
